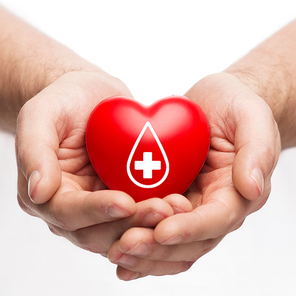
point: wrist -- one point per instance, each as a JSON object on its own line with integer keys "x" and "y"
{"x": 30, "y": 61}
{"x": 28, "y": 79}
{"x": 45, "y": 65}
{"x": 270, "y": 71}
{"x": 268, "y": 76}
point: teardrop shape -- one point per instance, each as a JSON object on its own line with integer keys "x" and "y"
{"x": 147, "y": 164}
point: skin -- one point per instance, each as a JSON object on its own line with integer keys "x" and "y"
{"x": 251, "y": 112}
{"x": 223, "y": 194}
{"x": 56, "y": 181}
{"x": 47, "y": 93}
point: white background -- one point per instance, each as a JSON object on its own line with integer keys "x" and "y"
{"x": 157, "y": 48}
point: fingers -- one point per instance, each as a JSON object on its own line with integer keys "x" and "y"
{"x": 99, "y": 237}
{"x": 132, "y": 267}
{"x": 158, "y": 268}
{"x": 79, "y": 209}
{"x": 224, "y": 212}
{"x": 138, "y": 254}
{"x": 140, "y": 242}
{"x": 241, "y": 122}
{"x": 36, "y": 151}
{"x": 179, "y": 240}
{"x": 179, "y": 203}
{"x": 257, "y": 144}
{"x": 83, "y": 224}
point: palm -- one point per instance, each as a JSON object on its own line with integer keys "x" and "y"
{"x": 213, "y": 194}
{"x": 228, "y": 106}
{"x": 61, "y": 112}
{"x": 77, "y": 171}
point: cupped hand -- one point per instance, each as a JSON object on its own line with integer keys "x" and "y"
{"x": 234, "y": 182}
{"x": 56, "y": 181}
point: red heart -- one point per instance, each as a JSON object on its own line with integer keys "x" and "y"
{"x": 147, "y": 151}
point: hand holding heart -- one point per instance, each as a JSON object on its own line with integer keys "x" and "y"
{"x": 56, "y": 181}
{"x": 65, "y": 191}
{"x": 234, "y": 182}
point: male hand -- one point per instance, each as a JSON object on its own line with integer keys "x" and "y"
{"x": 56, "y": 181}
{"x": 234, "y": 182}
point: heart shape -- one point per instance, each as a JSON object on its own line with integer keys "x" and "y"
{"x": 147, "y": 151}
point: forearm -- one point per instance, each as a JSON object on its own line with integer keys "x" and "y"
{"x": 29, "y": 61}
{"x": 270, "y": 71}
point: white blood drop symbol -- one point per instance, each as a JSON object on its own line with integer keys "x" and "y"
{"x": 147, "y": 165}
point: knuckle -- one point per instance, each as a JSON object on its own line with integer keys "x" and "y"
{"x": 167, "y": 254}
{"x": 208, "y": 246}
{"x": 23, "y": 206}
{"x": 238, "y": 225}
{"x": 62, "y": 223}
{"x": 54, "y": 230}
{"x": 97, "y": 215}
{"x": 22, "y": 155}
{"x": 232, "y": 215}
{"x": 82, "y": 240}
{"x": 203, "y": 248}
{"x": 186, "y": 265}
{"x": 231, "y": 220}
{"x": 270, "y": 153}
{"x": 58, "y": 219}
{"x": 58, "y": 215}
{"x": 177, "y": 267}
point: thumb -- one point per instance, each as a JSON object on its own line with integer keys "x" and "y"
{"x": 257, "y": 143}
{"x": 39, "y": 173}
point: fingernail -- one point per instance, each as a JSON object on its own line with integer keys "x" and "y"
{"x": 173, "y": 240}
{"x": 140, "y": 249}
{"x": 127, "y": 260}
{"x": 115, "y": 212}
{"x": 129, "y": 275}
{"x": 178, "y": 210}
{"x": 257, "y": 176}
{"x": 33, "y": 180}
{"x": 134, "y": 276}
{"x": 152, "y": 218}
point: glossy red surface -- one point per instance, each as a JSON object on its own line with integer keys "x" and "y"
{"x": 147, "y": 151}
